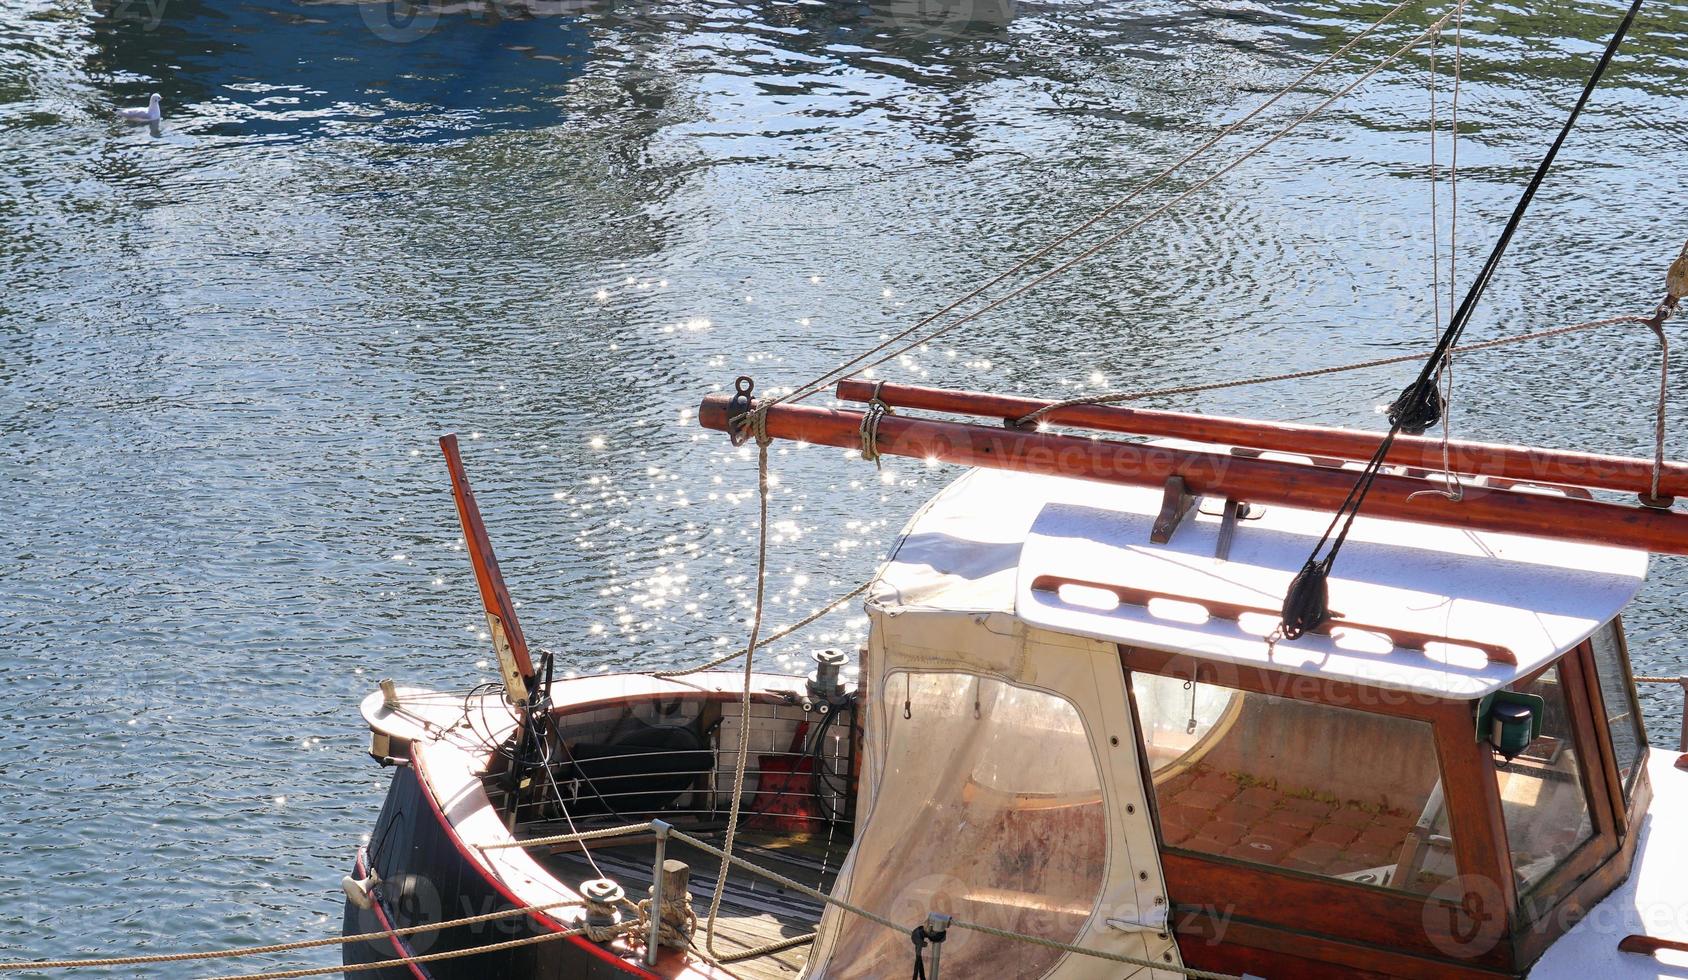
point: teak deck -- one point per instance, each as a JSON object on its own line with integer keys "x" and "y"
{"x": 754, "y": 912}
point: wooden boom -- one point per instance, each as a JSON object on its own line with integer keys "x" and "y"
{"x": 1219, "y": 474}
{"x": 1472, "y": 458}
{"x": 507, "y": 639}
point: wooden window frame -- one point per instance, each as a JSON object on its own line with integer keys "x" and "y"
{"x": 1626, "y": 793}
{"x": 1401, "y": 929}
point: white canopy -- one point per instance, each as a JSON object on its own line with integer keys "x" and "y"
{"x": 981, "y": 544}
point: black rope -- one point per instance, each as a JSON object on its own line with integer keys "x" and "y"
{"x": 1419, "y": 406}
{"x": 920, "y": 937}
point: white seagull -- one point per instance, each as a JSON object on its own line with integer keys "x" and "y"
{"x": 150, "y": 114}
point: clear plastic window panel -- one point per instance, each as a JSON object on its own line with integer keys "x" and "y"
{"x": 989, "y": 809}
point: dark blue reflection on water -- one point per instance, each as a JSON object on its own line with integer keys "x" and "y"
{"x": 269, "y": 68}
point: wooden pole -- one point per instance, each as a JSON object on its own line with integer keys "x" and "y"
{"x": 1472, "y": 458}
{"x": 507, "y": 638}
{"x": 1222, "y": 475}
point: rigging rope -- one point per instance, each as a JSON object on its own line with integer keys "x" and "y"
{"x": 1114, "y": 238}
{"x": 889, "y": 923}
{"x": 18, "y": 966}
{"x": 1139, "y": 394}
{"x": 1305, "y": 604}
{"x": 771, "y": 638}
{"x": 450, "y": 954}
{"x": 805, "y": 390}
{"x": 758, "y": 424}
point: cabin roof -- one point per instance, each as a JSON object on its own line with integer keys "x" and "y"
{"x": 982, "y": 543}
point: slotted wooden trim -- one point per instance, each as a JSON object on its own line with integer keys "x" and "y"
{"x": 1403, "y": 639}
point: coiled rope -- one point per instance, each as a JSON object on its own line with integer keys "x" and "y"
{"x": 876, "y": 410}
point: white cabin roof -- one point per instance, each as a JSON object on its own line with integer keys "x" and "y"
{"x": 980, "y": 544}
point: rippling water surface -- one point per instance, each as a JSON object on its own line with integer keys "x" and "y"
{"x": 226, "y": 347}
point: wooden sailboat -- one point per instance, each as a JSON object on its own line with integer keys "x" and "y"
{"x": 1111, "y": 721}
{"x": 1074, "y": 726}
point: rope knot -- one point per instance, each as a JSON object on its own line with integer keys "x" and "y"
{"x": 876, "y": 410}
{"x": 757, "y": 422}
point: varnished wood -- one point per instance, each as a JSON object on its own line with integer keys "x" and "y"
{"x": 1472, "y": 797}
{"x": 1208, "y": 942}
{"x": 1648, "y": 945}
{"x": 1300, "y": 905}
{"x": 1286, "y": 684}
{"x": 1517, "y": 463}
{"x": 1404, "y": 639}
{"x": 1350, "y": 915}
{"x": 494, "y": 596}
{"x": 1533, "y": 939}
{"x": 1224, "y": 475}
{"x": 1601, "y": 766}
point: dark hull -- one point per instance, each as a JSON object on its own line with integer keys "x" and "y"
{"x": 425, "y": 878}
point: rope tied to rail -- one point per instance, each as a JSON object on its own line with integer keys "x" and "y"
{"x": 876, "y": 410}
{"x": 1676, "y": 287}
{"x": 921, "y": 937}
{"x": 758, "y": 426}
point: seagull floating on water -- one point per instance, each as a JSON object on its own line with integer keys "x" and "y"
{"x": 149, "y": 114}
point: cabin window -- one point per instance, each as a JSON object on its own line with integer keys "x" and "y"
{"x": 989, "y": 808}
{"x": 1617, "y": 690}
{"x": 1542, "y": 793}
{"x": 1295, "y": 785}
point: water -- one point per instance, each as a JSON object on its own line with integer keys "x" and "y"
{"x": 226, "y": 348}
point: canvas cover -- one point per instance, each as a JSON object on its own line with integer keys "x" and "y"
{"x": 996, "y": 796}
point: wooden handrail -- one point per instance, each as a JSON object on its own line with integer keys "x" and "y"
{"x": 1404, "y": 639}
{"x": 1223, "y": 475}
{"x": 1520, "y": 463}
{"x": 1648, "y": 945}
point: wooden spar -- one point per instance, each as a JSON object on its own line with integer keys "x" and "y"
{"x": 507, "y": 638}
{"x": 1224, "y": 475}
{"x": 1472, "y": 458}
